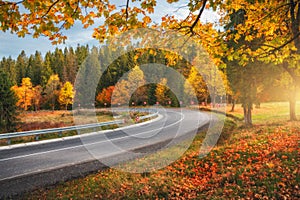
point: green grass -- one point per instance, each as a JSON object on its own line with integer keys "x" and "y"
{"x": 268, "y": 113}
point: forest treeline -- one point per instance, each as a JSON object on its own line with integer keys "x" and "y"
{"x": 34, "y": 82}
{"x": 47, "y": 82}
{"x": 46, "y": 78}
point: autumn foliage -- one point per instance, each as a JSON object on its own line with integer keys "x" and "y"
{"x": 257, "y": 163}
{"x": 24, "y": 93}
{"x": 104, "y": 97}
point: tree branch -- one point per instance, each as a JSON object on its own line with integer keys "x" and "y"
{"x": 77, "y": 6}
{"x": 50, "y": 7}
{"x": 290, "y": 71}
{"x": 267, "y": 53}
{"x": 274, "y": 10}
{"x": 126, "y": 11}
{"x": 4, "y": 3}
{"x": 198, "y": 17}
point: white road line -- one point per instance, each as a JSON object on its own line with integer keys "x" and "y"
{"x": 88, "y": 144}
{"x": 76, "y": 136}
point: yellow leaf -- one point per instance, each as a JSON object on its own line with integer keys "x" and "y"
{"x": 147, "y": 19}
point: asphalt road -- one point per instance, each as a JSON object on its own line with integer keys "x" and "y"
{"x": 29, "y": 166}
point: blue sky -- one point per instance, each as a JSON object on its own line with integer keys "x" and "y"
{"x": 12, "y": 45}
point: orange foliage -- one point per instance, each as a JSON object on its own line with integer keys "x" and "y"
{"x": 105, "y": 96}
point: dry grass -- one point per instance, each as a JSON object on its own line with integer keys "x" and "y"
{"x": 54, "y": 119}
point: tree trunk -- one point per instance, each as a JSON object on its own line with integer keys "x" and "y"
{"x": 233, "y": 105}
{"x": 248, "y": 115}
{"x": 257, "y": 105}
{"x": 292, "y": 102}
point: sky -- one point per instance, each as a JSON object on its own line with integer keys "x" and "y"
{"x": 12, "y": 45}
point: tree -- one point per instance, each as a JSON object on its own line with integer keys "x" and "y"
{"x": 57, "y": 63}
{"x": 270, "y": 30}
{"x": 135, "y": 81}
{"x": 52, "y": 90}
{"x": 271, "y": 33}
{"x": 161, "y": 91}
{"x": 8, "y": 66}
{"x": 8, "y": 100}
{"x": 24, "y": 93}
{"x": 121, "y": 93}
{"x": 46, "y": 70}
{"x": 104, "y": 97}
{"x": 195, "y": 85}
{"x": 70, "y": 67}
{"x": 87, "y": 79}
{"x": 37, "y": 97}
{"x": 81, "y": 53}
{"x": 38, "y": 67}
{"x": 21, "y": 67}
{"x": 66, "y": 95}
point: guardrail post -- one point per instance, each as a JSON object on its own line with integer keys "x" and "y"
{"x": 8, "y": 141}
{"x": 37, "y": 137}
{"x": 60, "y": 134}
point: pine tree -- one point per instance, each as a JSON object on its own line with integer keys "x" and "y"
{"x": 46, "y": 70}
{"x": 8, "y": 66}
{"x": 57, "y": 63}
{"x": 70, "y": 66}
{"x": 87, "y": 80}
{"x": 8, "y": 100}
{"x": 38, "y": 67}
{"x": 21, "y": 67}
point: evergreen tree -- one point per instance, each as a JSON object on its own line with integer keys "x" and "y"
{"x": 70, "y": 66}
{"x": 38, "y": 67}
{"x": 81, "y": 53}
{"x": 8, "y": 100}
{"x": 8, "y": 66}
{"x": 21, "y": 67}
{"x": 87, "y": 80}
{"x": 57, "y": 63}
{"x": 46, "y": 70}
{"x": 34, "y": 69}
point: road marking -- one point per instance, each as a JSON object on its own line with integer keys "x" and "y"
{"x": 88, "y": 144}
{"x": 76, "y": 136}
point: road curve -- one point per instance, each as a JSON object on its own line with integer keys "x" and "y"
{"x": 32, "y": 165}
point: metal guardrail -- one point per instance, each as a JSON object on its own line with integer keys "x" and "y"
{"x": 36, "y": 133}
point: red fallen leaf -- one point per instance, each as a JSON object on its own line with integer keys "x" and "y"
{"x": 281, "y": 184}
{"x": 206, "y": 166}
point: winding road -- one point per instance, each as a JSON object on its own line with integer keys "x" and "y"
{"x": 28, "y": 166}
